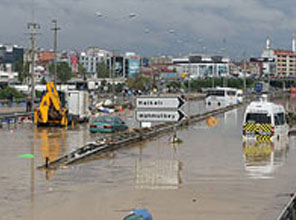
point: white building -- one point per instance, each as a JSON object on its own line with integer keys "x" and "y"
{"x": 268, "y": 58}
{"x": 8, "y": 76}
{"x": 201, "y": 65}
{"x": 90, "y": 58}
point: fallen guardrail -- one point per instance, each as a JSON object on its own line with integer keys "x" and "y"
{"x": 289, "y": 212}
{"x": 110, "y": 143}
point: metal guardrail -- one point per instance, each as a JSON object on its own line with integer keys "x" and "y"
{"x": 289, "y": 212}
{"x": 125, "y": 138}
{"x": 15, "y": 115}
{"x": 15, "y": 103}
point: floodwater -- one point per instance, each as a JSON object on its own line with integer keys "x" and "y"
{"x": 211, "y": 175}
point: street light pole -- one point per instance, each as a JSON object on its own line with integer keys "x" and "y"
{"x": 189, "y": 85}
{"x": 245, "y": 83}
{"x": 113, "y": 74}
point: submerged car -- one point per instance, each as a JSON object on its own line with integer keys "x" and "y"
{"x": 107, "y": 124}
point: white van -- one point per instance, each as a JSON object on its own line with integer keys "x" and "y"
{"x": 264, "y": 121}
{"x": 224, "y": 96}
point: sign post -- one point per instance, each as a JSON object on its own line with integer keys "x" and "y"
{"x": 160, "y": 109}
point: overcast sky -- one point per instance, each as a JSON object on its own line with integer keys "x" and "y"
{"x": 170, "y": 27}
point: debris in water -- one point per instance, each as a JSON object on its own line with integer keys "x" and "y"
{"x": 212, "y": 121}
{"x": 26, "y": 156}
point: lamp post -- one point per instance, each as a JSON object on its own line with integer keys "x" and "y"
{"x": 112, "y": 64}
{"x": 189, "y": 85}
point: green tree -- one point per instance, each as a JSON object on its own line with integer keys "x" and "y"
{"x": 8, "y": 91}
{"x": 22, "y": 69}
{"x": 138, "y": 82}
{"x": 82, "y": 71}
{"x": 43, "y": 81}
{"x": 102, "y": 71}
{"x": 64, "y": 72}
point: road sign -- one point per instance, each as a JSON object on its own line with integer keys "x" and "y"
{"x": 159, "y": 102}
{"x": 159, "y": 116}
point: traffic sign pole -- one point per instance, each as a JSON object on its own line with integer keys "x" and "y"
{"x": 160, "y": 109}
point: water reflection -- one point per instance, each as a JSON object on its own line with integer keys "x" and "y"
{"x": 52, "y": 145}
{"x": 159, "y": 174}
{"x": 262, "y": 159}
{"x": 230, "y": 117}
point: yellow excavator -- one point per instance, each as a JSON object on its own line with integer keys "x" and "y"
{"x": 50, "y": 111}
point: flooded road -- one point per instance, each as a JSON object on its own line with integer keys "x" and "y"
{"x": 211, "y": 175}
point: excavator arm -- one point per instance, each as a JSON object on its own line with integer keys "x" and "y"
{"x": 50, "y": 110}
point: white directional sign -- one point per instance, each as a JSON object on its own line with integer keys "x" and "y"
{"x": 159, "y": 116}
{"x": 159, "y": 102}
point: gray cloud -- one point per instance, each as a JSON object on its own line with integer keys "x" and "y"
{"x": 239, "y": 25}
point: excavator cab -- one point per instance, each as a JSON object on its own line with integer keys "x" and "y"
{"x": 50, "y": 111}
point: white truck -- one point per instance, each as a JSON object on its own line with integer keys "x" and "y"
{"x": 77, "y": 103}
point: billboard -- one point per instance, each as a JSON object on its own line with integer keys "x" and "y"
{"x": 119, "y": 66}
{"x": 133, "y": 66}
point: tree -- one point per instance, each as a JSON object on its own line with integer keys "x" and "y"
{"x": 43, "y": 81}
{"x": 64, "y": 72}
{"x": 102, "y": 71}
{"x": 22, "y": 69}
{"x": 82, "y": 71}
{"x": 9, "y": 91}
{"x": 138, "y": 82}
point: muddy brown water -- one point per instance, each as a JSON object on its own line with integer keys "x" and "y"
{"x": 211, "y": 175}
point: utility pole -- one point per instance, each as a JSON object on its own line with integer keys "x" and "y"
{"x": 32, "y": 26}
{"x": 244, "y": 73}
{"x": 113, "y": 89}
{"x": 245, "y": 83}
{"x": 55, "y": 29}
{"x": 189, "y": 85}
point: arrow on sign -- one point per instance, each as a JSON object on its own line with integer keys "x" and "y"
{"x": 159, "y": 102}
{"x": 159, "y": 116}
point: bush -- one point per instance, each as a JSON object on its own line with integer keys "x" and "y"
{"x": 8, "y": 91}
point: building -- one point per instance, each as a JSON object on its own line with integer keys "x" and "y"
{"x": 286, "y": 63}
{"x": 203, "y": 65}
{"x": 73, "y": 60}
{"x": 162, "y": 60}
{"x": 91, "y": 57}
{"x": 133, "y": 64}
{"x": 255, "y": 66}
{"x": 278, "y": 62}
{"x": 10, "y": 56}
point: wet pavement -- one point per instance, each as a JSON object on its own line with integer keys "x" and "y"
{"x": 211, "y": 175}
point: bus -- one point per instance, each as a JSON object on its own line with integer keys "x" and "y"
{"x": 223, "y": 96}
